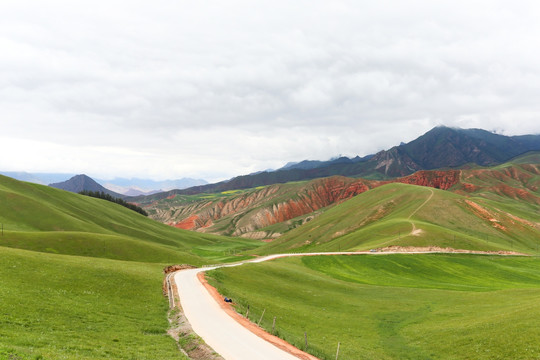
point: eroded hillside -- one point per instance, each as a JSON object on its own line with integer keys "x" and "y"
{"x": 293, "y": 204}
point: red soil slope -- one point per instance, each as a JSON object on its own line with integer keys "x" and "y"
{"x": 257, "y": 209}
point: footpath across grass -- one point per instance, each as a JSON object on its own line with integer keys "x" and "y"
{"x": 68, "y": 307}
{"x": 395, "y": 306}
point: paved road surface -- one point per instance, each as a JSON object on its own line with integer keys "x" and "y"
{"x": 220, "y": 331}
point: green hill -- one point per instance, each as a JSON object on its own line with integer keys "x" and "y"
{"x": 457, "y": 306}
{"x": 81, "y": 276}
{"x": 72, "y": 307}
{"x": 408, "y": 215}
{"x": 46, "y": 219}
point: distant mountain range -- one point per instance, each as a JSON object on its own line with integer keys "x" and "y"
{"x": 124, "y": 186}
{"x": 442, "y": 147}
{"x": 138, "y": 186}
{"x": 439, "y": 148}
{"x": 37, "y": 178}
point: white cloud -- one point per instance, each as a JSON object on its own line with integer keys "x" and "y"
{"x": 216, "y": 89}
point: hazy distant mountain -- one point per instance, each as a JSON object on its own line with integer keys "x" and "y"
{"x": 138, "y": 186}
{"x": 136, "y": 192}
{"x": 38, "y": 178}
{"x": 80, "y": 183}
{"x": 128, "y": 187}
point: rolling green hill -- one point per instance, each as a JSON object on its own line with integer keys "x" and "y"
{"x": 394, "y": 306}
{"x": 81, "y": 308}
{"x": 42, "y": 218}
{"x": 408, "y": 215}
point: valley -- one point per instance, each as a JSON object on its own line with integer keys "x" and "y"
{"x": 96, "y": 266}
{"x": 481, "y": 208}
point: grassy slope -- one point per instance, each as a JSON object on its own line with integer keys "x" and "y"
{"x": 386, "y": 215}
{"x": 68, "y": 307}
{"x": 396, "y": 306}
{"x": 90, "y": 287}
{"x": 45, "y": 219}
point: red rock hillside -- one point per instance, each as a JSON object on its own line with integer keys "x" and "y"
{"x": 248, "y": 212}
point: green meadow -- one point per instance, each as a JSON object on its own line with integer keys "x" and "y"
{"x": 70, "y": 307}
{"x": 395, "y": 306}
{"x": 44, "y": 219}
{"x": 81, "y": 277}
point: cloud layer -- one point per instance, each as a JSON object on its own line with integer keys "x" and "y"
{"x": 213, "y": 89}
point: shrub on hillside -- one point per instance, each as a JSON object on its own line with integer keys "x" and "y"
{"x": 105, "y": 196}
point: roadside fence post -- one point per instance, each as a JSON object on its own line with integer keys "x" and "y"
{"x": 305, "y": 340}
{"x": 259, "y": 323}
{"x": 273, "y": 325}
{"x": 247, "y": 313}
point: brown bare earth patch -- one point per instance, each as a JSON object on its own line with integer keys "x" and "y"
{"x": 171, "y": 269}
{"x": 485, "y": 214}
{"x": 437, "y": 249}
{"x": 227, "y": 307}
{"x": 188, "y": 224}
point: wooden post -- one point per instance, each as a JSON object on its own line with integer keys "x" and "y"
{"x": 337, "y": 352}
{"x": 273, "y": 325}
{"x": 247, "y": 313}
{"x": 305, "y": 340}
{"x": 259, "y": 323}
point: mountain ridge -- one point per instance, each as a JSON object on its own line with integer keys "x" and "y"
{"x": 441, "y": 147}
{"x": 82, "y": 182}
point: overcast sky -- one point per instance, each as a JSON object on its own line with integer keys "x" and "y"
{"x": 212, "y": 89}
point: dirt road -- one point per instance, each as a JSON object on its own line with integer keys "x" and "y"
{"x": 220, "y": 331}
{"x": 231, "y": 339}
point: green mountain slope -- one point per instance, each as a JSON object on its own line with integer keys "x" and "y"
{"x": 41, "y": 218}
{"x": 408, "y": 215}
{"x": 394, "y": 306}
{"x": 79, "y": 308}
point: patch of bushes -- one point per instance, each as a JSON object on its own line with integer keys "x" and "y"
{"x": 105, "y": 196}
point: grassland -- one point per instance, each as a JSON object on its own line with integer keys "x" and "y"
{"x": 45, "y": 219}
{"x": 70, "y": 307}
{"x": 81, "y": 276}
{"x": 395, "y": 306}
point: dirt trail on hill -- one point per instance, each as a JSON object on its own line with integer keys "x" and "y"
{"x": 415, "y": 231}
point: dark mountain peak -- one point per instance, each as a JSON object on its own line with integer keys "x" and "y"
{"x": 452, "y": 147}
{"x": 83, "y": 182}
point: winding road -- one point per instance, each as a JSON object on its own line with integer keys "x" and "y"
{"x": 226, "y": 335}
{"x": 220, "y": 331}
